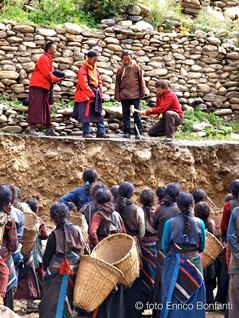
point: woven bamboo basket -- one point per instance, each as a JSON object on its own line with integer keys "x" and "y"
{"x": 30, "y": 232}
{"x": 79, "y": 219}
{"x": 94, "y": 282}
{"x": 120, "y": 251}
{"x": 212, "y": 251}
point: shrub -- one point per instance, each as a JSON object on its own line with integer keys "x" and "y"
{"x": 103, "y": 9}
{"x": 48, "y": 13}
{"x": 161, "y": 10}
{"x": 54, "y": 12}
{"x": 13, "y": 10}
{"x": 209, "y": 19}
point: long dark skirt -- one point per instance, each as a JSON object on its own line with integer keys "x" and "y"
{"x": 223, "y": 279}
{"x": 157, "y": 287}
{"x": 50, "y": 299}
{"x": 79, "y": 113}
{"x": 233, "y": 298}
{"x": 194, "y": 306}
{"x": 39, "y": 110}
{"x": 112, "y": 307}
{"x": 28, "y": 287}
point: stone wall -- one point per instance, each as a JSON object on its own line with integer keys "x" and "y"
{"x": 201, "y": 68}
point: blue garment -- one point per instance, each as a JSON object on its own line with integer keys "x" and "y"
{"x": 174, "y": 233}
{"x": 78, "y": 196}
{"x": 171, "y": 306}
{"x": 183, "y": 288}
{"x": 19, "y": 218}
{"x": 233, "y": 241}
{"x": 100, "y": 128}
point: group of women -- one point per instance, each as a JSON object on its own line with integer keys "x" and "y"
{"x": 169, "y": 227}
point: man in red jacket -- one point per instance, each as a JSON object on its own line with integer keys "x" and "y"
{"x": 88, "y": 97}
{"x": 168, "y": 105}
{"x": 40, "y": 92}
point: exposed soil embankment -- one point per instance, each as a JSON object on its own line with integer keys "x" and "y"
{"x": 47, "y": 168}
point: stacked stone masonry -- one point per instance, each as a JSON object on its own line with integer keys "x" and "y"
{"x": 201, "y": 68}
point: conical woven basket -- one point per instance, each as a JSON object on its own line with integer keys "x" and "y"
{"x": 79, "y": 219}
{"x": 212, "y": 251}
{"x": 94, "y": 282}
{"x": 30, "y": 232}
{"x": 120, "y": 251}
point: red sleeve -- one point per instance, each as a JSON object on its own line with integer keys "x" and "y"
{"x": 4, "y": 272}
{"x": 45, "y": 67}
{"x": 123, "y": 226}
{"x": 12, "y": 240}
{"x": 162, "y": 105}
{"x": 43, "y": 233}
{"x": 225, "y": 218}
{"x": 83, "y": 83}
{"x": 95, "y": 223}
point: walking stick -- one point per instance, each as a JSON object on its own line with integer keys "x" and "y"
{"x": 132, "y": 111}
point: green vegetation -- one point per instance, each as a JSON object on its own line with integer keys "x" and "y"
{"x": 49, "y": 13}
{"x": 161, "y": 10}
{"x": 211, "y": 20}
{"x": 215, "y": 128}
{"x": 104, "y": 9}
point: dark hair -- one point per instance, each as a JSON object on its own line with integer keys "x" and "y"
{"x": 90, "y": 175}
{"x": 127, "y": 53}
{"x": 228, "y": 197}
{"x": 160, "y": 193}
{"x": 33, "y": 204}
{"x": 5, "y": 196}
{"x": 103, "y": 196}
{"x": 16, "y": 193}
{"x": 48, "y": 46}
{"x": 199, "y": 195}
{"x": 202, "y": 210}
{"x": 115, "y": 192}
{"x": 234, "y": 188}
{"x": 95, "y": 188}
{"x": 92, "y": 53}
{"x": 161, "y": 84}
{"x": 59, "y": 212}
{"x": 185, "y": 204}
{"x": 171, "y": 193}
{"x": 126, "y": 190}
{"x": 147, "y": 198}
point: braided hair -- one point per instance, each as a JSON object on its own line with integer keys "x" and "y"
{"x": 126, "y": 191}
{"x": 59, "y": 213}
{"x": 185, "y": 204}
{"x": 89, "y": 176}
{"x": 147, "y": 199}
{"x": 171, "y": 193}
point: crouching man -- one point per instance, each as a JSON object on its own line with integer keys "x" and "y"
{"x": 168, "y": 105}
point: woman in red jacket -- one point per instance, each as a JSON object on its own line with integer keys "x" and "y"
{"x": 40, "y": 91}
